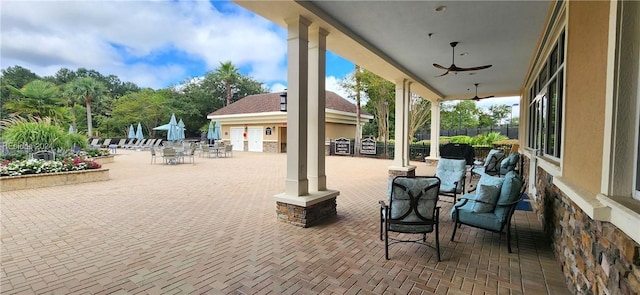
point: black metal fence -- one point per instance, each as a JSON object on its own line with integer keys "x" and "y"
{"x": 508, "y": 131}
{"x": 417, "y": 152}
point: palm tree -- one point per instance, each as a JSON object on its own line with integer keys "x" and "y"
{"x": 87, "y": 90}
{"x": 229, "y": 73}
{"x": 40, "y": 99}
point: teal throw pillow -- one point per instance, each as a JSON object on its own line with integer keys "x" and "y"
{"x": 488, "y": 194}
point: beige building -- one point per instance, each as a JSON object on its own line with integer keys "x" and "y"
{"x": 256, "y": 124}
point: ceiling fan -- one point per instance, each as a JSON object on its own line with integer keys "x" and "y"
{"x": 476, "y": 98}
{"x": 456, "y": 69}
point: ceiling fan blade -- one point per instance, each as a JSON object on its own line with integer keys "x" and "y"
{"x": 472, "y": 69}
{"x": 445, "y": 73}
{"x": 440, "y": 67}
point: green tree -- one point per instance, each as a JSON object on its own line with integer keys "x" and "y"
{"x": 88, "y": 90}
{"x": 380, "y": 100}
{"x": 16, "y": 77}
{"x": 419, "y": 113}
{"x": 38, "y": 99}
{"x": 149, "y": 107}
{"x": 229, "y": 74}
{"x": 464, "y": 114}
{"x": 499, "y": 112}
{"x": 206, "y": 95}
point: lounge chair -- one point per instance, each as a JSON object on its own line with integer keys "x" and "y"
{"x": 157, "y": 144}
{"x": 95, "y": 143}
{"x": 129, "y": 143}
{"x": 122, "y": 142}
{"x": 148, "y": 144}
{"x": 106, "y": 143}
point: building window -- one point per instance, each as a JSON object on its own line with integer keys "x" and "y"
{"x": 545, "y": 104}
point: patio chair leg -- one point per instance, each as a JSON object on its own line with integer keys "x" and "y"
{"x": 386, "y": 244}
{"x": 438, "y": 241}
{"x": 381, "y": 224}
{"x": 455, "y": 226}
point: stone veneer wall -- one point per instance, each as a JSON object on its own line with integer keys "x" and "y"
{"x": 269, "y": 146}
{"x": 306, "y": 216}
{"x": 595, "y": 256}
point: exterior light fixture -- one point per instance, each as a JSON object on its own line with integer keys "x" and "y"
{"x": 283, "y": 101}
{"x": 440, "y": 8}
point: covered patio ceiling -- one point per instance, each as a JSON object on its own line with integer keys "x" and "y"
{"x": 402, "y": 39}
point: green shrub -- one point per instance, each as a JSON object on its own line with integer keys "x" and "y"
{"x": 461, "y": 139}
{"x": 39, "y": 134}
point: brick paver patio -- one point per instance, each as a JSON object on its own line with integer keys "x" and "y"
{"x": 210, "y": 228}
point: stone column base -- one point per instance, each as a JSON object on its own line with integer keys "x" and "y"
{"x": 306, "y": 216}
{"x": 402, "y": 171}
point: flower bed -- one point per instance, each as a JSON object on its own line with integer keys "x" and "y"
{"x": 31, "y": 181}
{"x": 39, "y": 166}
{"x": 103, "y": 159}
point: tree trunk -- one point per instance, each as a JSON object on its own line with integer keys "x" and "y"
{"x": 228, "y": 88}
{"x": 89, "y": 123}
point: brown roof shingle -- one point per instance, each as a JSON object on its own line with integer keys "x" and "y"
{"x": 270, "y": 102}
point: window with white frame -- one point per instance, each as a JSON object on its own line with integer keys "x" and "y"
{"x": 545, "y": 103}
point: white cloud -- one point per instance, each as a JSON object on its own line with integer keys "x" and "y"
{"x": 132, "y": 39}
{"x": 333, "y": 84}
{"x": 278, "y": 87}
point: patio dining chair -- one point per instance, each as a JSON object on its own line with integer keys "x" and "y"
{"x": 411, "y": 208}
{"x": 453, "y": 174}
{"x": 169, "y": 156}
{"x": 153, "y": 155}
{"x": 228, "y": 150}
{"x": 190, "y": 153}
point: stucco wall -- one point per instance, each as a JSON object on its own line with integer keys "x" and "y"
{"x": 334, "y": 130}
{"x": 585, "y": 92}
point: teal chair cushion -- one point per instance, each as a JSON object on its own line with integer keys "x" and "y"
{"x": 450, "y": 171}
{"x": 488, "y": 195}
{"x": 510, "y": 192}
{"x": 509, "y": 163}
{"x": 486, "y": 220}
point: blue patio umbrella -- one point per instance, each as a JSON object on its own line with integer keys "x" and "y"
{"x": 132, "y": 133}
{"x": 139, "y": 134}
{"x": 172, "y": 132}
{"x": 217, "y": 132}
{"x": 211, "y": 132}
{"x": 181, "y": 129}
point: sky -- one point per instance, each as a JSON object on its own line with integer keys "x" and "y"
{"x": 153, "y": 44}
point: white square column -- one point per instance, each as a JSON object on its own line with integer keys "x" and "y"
{"x": 401, "y": 154}
{"x": 434, "y": 153}
{"x": 317, "y": 104}
{"x": 306, "y": 98}
{"x": 297, "y": 183}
